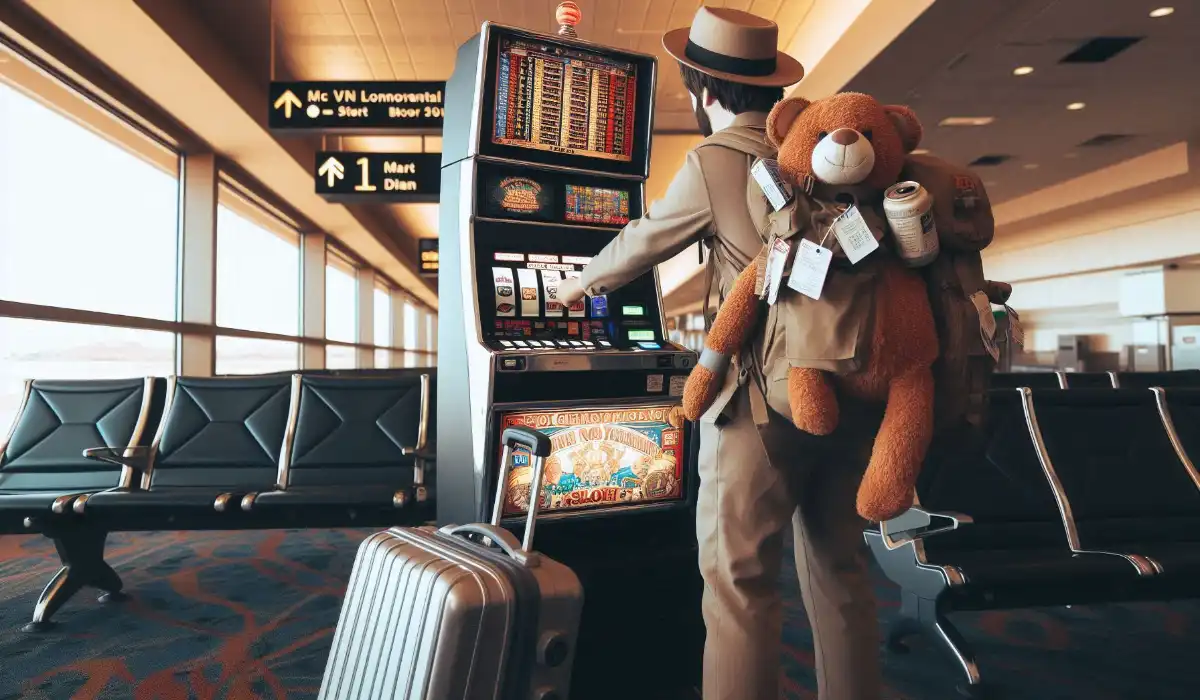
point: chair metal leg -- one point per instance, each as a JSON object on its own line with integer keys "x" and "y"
{"x": 82, "y": 553}
{"x": 906, "y": 624}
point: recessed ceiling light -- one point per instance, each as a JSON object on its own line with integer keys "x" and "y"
{"x": 966, "y": 121}
{"x": 1162, "y": 12}
{"x": 919, "y": 151}
{"x": 1023, "y": 70}
{"x": 1076, "y": 106}
{"x": 1031, "y": 166}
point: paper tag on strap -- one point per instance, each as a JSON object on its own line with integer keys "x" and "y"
{"x": 810, "y": 269}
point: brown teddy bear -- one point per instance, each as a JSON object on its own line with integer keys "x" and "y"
{"x": 845, "y": 149}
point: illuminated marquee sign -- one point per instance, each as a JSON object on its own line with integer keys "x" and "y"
{"x": 600, "y": 458}
{"x": 427, "y": 249}
{"x": 358, "y": 107}
{"x": 378, "y": 177}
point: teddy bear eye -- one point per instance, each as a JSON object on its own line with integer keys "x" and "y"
{"x": 822, "y": 135}
{"x": 867, "y": 134}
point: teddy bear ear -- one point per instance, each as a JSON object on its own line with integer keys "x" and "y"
{"x": 907, "y": 125}
{"x": 779, "y": 121}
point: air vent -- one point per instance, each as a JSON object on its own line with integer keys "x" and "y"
{"x": 989, "y": 160}
{"x": 1105, "y": 140}
{"x": 1100, "y": 49}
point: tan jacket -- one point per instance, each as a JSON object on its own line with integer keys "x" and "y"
{"x": 707, "y": 199}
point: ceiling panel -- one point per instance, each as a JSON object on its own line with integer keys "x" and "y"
{"x": 957, "y": 60}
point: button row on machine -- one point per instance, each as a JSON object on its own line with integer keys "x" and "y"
{"x": 553, "y": 343}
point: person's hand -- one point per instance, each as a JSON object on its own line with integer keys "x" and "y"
{"x": 570, "y": 291}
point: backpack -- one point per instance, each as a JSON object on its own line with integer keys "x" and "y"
{"x": 959, "y": 294}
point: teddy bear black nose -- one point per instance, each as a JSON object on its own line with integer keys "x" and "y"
{"x": 844, "y": 137}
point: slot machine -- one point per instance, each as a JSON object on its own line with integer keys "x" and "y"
{"x": 546, "y": 150}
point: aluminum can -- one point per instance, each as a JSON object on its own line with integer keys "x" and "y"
{"x": 909, "y": 210}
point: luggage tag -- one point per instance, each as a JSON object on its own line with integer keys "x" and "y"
{"x": 854, "y": 235}
{"x": 987, "y": 323}
{"x": 776, "y": 263}
{"x": 1016, "y": 332}
{"x": 810, "y": 269}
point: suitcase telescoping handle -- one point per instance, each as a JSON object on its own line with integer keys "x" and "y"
{"x": 539, "y": 447}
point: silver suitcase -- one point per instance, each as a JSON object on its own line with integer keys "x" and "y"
{"x": 464, "y": 612}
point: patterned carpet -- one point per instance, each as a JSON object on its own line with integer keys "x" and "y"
{"x": 235, "y": 616}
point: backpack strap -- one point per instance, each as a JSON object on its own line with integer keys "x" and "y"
{"x": 750, "y": 140}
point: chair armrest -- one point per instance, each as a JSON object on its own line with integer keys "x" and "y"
{"x": 917, "y": 523}
{"x": 135, "y": 457}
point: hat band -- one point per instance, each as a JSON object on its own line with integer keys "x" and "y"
{"x": 750, "y": 67}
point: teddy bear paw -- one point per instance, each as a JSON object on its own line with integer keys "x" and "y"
{"x": 699, "y": 392}
{"x": 880, "y": 506}
{"x": 815, "y": 422}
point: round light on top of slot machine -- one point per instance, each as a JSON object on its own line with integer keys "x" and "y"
{"x": 567, "y": 14}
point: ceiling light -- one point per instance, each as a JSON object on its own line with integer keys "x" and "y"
{"x": 1031, "y": 166}
{"x": 919, "y": 151}
{"x": 966, "y": 121}
{"x": 1076, "y": 106}
{"x": 1023, "y": 70}
{"x": 1162, "y": 12}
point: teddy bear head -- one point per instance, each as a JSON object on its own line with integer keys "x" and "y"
{"x": 845, "y": 139}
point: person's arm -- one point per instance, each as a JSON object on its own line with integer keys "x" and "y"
{"x": 680, "y": 218}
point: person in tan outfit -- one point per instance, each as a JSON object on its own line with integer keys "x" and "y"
{"x": 758, "y": 473}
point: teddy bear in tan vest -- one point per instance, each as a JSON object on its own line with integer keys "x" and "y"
{"x": 871, "y": 330}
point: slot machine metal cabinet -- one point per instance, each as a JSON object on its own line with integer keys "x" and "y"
{"x": 546, "y": 149}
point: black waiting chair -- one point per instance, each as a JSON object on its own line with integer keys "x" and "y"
{"x": 1011, "y": 549}
{"x": 1187, "y": 378}
{"x": 220, "y": 438}
{"x": 1120, "y": 472}
{"x": 1033, "y": 380}
{"x": 1088, "y": 380}
{"x": 355, "y": 453}
{"x": 43, "y": 471}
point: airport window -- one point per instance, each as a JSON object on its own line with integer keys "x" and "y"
{"x": 383, "y": 317}
{"x": 255, "y": 355}
{"x": 411, "y": 359}
{"x": 121, "y": 226}
{"x": 340, "y": 357}
{"x": 341, "y": 296}
{"x": 383, "y": 358}
{"x": 258, "y": 261}
{"x": 53, "y": 350}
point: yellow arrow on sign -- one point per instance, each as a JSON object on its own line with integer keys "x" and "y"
{"x": 332, "y": 170}
{"x": 288, "y": 100}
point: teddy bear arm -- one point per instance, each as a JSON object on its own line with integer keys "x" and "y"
{"x": 729, "y": 330}
{"x": 888, "y": 485}
{"x": 813, "y": 401}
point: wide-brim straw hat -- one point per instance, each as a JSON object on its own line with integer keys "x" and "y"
{"x": 734, "y": 45}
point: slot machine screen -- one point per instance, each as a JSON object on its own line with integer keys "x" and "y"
{"x": 599, "y": 458}
{"x": 596, "y": 205}
{"x": 560, "y": 104}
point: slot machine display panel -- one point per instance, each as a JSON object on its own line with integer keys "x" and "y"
{"x": 556, "y": 104}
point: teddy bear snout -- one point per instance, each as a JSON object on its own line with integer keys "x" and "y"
{"x": 844, "y": 137}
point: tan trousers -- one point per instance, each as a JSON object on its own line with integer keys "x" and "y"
{"x": 754, "y": 482}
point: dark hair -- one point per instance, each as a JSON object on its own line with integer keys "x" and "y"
{"x": 735, "y": 97}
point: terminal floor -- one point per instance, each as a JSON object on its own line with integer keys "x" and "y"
{"x": 250, "y": 614}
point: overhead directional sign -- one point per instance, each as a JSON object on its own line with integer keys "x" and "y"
{"x": 428, "y": 253}
{"x": 358, "y": 107}
{"x": 378, "y": 177}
